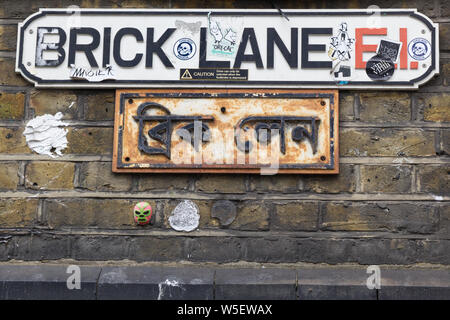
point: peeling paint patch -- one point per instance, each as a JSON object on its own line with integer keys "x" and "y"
{"x": 401, "y": 160}
{"x": 193, "y": 27}
{"x": 185, "y": 216}
{"x": 44, "y": 135}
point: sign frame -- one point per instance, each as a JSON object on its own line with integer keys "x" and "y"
{"x": 432, "y": 69}
{"x": 330, "y": 166}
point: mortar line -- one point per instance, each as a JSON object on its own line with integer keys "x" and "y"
{"x": 437, "y": 142}
{"x": 30, "y": 194}
{"x": 27, "y": 111}
{"x": 343, "y": 159}
{"x": 358, "y": 184}
{"x": 8, "y": 54}
{"x": 40, "y": 210}
{"x": 413, "y": 108}
{"x": 210, "y": 233}
{"x": 343, "y": 124}
{"x": 319, "y": 216}
{"x": 356, "y": 107}
{"x": 415, "y": 180}
{"x": 77, "y": 175}
{"x": 5, "y": 21}
{"x": 418, "y": 124}
{"x": 441, "y": 142}
{"x": 21, "y": 173}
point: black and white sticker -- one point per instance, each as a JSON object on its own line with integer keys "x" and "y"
{"x": 389, "y": 49}
{"x": 380, "y": 68}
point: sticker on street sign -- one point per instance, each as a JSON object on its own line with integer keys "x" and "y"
{"x": 119, "y": 48}
{"x": 226, "y": 131}
{"x": 213, "y": 74}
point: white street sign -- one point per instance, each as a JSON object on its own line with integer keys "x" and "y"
{"x": 118, "y": 48}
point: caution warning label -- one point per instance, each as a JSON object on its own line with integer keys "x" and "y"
{"x": 214, "y": 74}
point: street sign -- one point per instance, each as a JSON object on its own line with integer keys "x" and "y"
{"x": 226, "y": 131}
{"x": 119, "y": 48}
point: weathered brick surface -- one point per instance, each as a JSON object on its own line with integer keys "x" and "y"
{"x": 18, "y": 213}
{"x": 271, "y": 225}
{"x": 435, "y": 179}
{"x": 138, "y": 4}
{"x": 273, "y": 249}
{"x": 102, "y": 213}
{"x": 345, "y": 181}
{"x": 100, "y": 106}
{"x": 11, "y": 106}
{"x": 346, "y": 106}
{"x": 220, "y": 183}
{"x": 38, "y": 247}
{"x": 388, "y": 107}
{"x": 157, "y": 248}
{"x": 378, "y": 178}
{"x": 386, "y": 142}
{"x": 97, "y": 141}
{"x": 223, "y": 249}
{"x": 444, "y": 36}
{"x": 274, "y": 183}
{"x": 206, "y": 221}
{"x": 100, "y": 248}
{"x": 445, "y": 142}
{"x": 9, "y": 175}
{"x": 8, "y": 76}
{"x": 13, "y": 141}
{"x": 380, "y": 216}
{"x": 295, "y": 216}
{"x": 151, "y": 182}
{"x": 99, "y": 176}
{"x": 445, "y": 73}
{"x": 49, "y": 175}
{"x": 8, "y": 37}
{"x": 251, "y": 216}
{"x": 50, "y": 102}
{"x": 435, "y": 107}
{"x": 444, "y": 219}
{"x": 25, "y": 8}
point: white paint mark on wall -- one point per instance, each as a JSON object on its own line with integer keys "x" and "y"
{"x": 117, "y": 275}
{"x": 165, "y": 288}
{"x": 185, "y": 216}
{"x": 44, "y": 134}
{"x": 401, "y": 160}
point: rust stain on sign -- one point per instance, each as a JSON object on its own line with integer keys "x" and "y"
{"x": 226, "y": 131}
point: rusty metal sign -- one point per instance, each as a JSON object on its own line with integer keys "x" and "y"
{"x": 119, "y": 48}
{"x": 226, "y": 131}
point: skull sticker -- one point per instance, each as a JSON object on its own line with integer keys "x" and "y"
{"x": 419, "y": 48}
{"x": 142, "y": 213}
{"x": 184, "y": 49}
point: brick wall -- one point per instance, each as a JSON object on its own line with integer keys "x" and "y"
{"x": 389, "y": 204}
